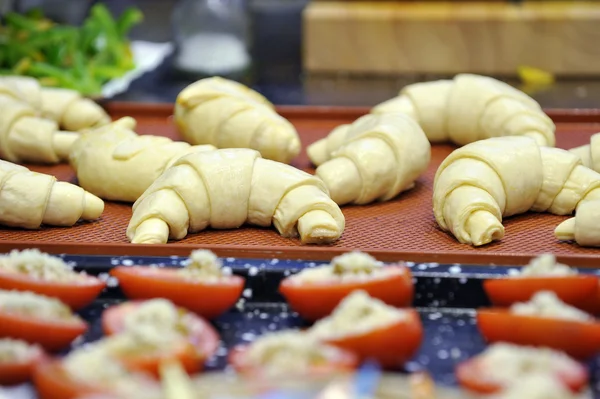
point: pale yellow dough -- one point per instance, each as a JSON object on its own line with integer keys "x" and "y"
{"x": 29, "y": 199}
{"x": 22, "y": 88}
{"x": 470, "y": 108}
{"x": 114, "y": 163}
{"x": 590, "y": 153}
{"x": 375, "y": 158}
{"x": 72, "y": 111}
{"x": 25, "y": 137}
{"x": 479, "y": 184}
{"x": 227, "y": 188}
{"x": 228, "y": 114}
{"x": 584, "y": 228}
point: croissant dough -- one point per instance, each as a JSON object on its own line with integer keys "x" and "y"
{"x": 590, "y": 153}
{"x": 228, "y": 114}
{"x": 22, "y": 88}
{"x": 227, "y": 188}
{"x": 29, "y": 199}
{"x": 71, "y": 110}
{"x": 470, "y": 108}
{"x": 24, "y": 137}
{"x": 479, "y": 184}
{"x": 584, "y": 228}
{"x": 374, "y": 158}
{"x": 114, "y": 163}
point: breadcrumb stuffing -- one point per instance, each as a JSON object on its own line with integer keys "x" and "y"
{"x": 537, "y": 386}
{"x": 16, "y": 350}
{"x": 547, "y": 304}
{"x": 96, "y": 364}
{"x": 504, "y": 363}
{"x": 203, "y": 265}
{"x": 156, "y": 322}
{"x": 546, "y": 265}
{"x": 352, "y": 266}
{"x": 288, "y": 352}
{"x": 38, "y": 265}
{"x": 29, "y": 304}
{"x": 357, "y": 314}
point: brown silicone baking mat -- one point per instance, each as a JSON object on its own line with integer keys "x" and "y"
{"x": 403, "y": 228}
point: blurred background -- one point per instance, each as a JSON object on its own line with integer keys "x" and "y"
{"x": 357, "y": 53}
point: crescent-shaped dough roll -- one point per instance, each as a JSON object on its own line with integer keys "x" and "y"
{"x": 71, "y": 110}
{"x": 29, "y": 199}
{"x": 479, "y": 184}
{"x": 114, "y": 163}
{"x": 590, "y": 153}
{"x": 24, "y": 137}
{"x": 228, "y": 114}
{"x": 22, "y": 88}
{"x": 584, "y": 228}
{"x": 227, "y": 188}
{"x": 470, "y": 108}
{"x": 375, "y": 158}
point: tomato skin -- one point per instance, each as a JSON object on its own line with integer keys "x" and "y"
{"x": 574, "y": 290}
{"x": 49, "y": 334}
{"x": 343, "y": 362}
{"x": 143, "y": 282}
{"x": 578, "y": 339}
{"x": 52, "y": 382}
{"x": 468, "y": 374}
{"x": 316, "y": 300}
{"x": 391, "y": 345}
{"x": 76, "y": 295}
{"x": 205, "y": 343}
{"x": 20, "y": 372}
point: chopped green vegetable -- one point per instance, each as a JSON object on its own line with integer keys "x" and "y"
{"x": 80, "y": 58}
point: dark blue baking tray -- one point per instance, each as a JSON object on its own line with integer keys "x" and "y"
{"x": 446, "y": 296}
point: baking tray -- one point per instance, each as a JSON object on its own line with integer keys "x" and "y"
{"x": 403, "y": 228}
{"x": 446, "y": 296}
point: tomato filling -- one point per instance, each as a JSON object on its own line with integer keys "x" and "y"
{"x": 546, "y": 304}
{"x": 39, "y": 266}
{"x": 17, "y": 351}
{"x": 357, "y": 314}
{"x": 351, "y": 266}
{"x": 33, "y": 305}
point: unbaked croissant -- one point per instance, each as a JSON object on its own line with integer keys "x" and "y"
{"x": 24, "y": 137}
{"x": 479, "y": 184}
{"x": 71, "y": 110}
{"x": 584, "y": 228}
{"x": 29, "y": 199}
{"x": 22, "y": 88}
{"x": 375, "y": 158}
{"x": 590, "y": 153}
{"x": 470, "y": 108}
{"x": 114, "y": 163}
{"x": 227, "y": 188}
{"x": 228, "y": 114}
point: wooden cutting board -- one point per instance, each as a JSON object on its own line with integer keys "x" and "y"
{"x": 396, "y": 37}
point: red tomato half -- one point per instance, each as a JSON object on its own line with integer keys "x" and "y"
{"x": 573, "y": 290}
{"x": 341, "y": 361}
{"x": 209, "y": 300}
{"x": 316, "y": 300}
{"x": 578, "y": 339}
{"x": 14, "y": 373}
{"x": 75, "y": 294}
{"x": 52, "y": 335}
{"x": 472, "y": 376}
{"x": 203, "y": 337}
{"x": 52, "y": 382}
{"x": 391, "y": 346}
{"x": 150, "y": 363}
